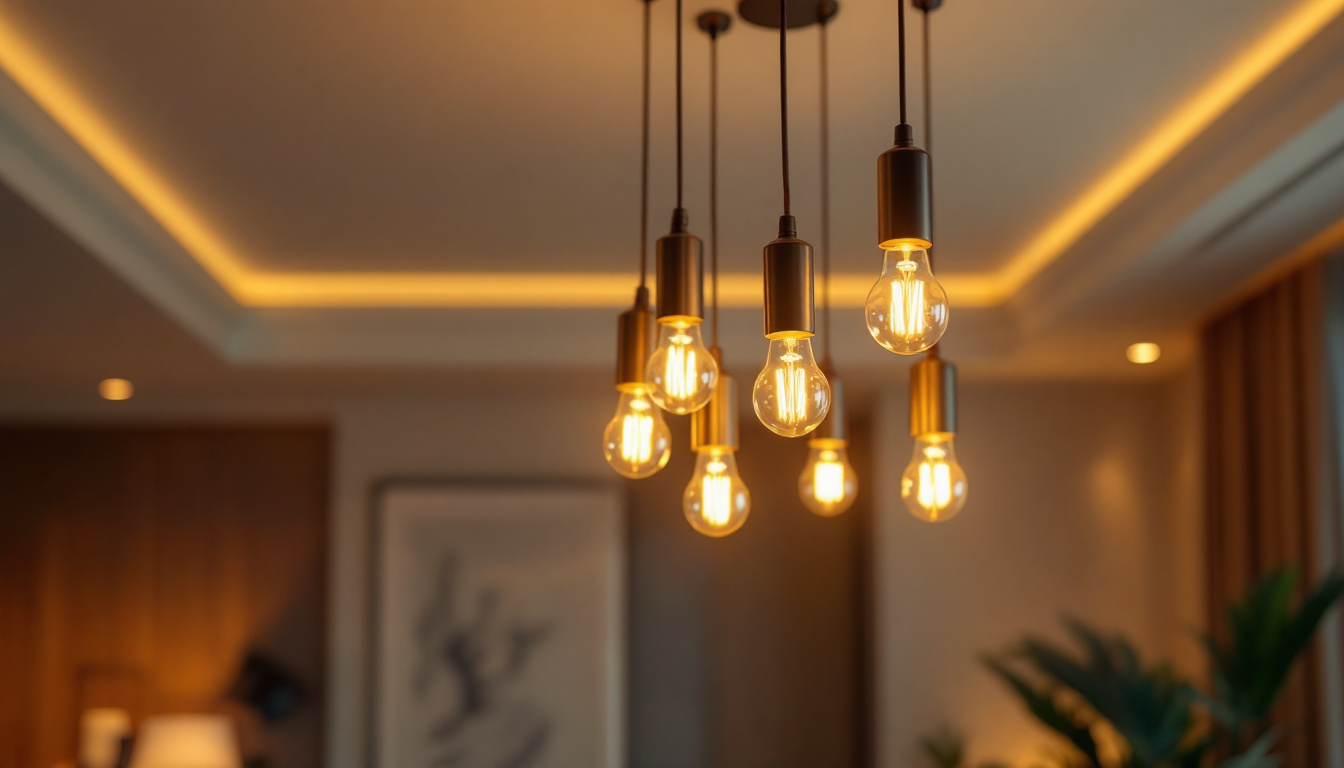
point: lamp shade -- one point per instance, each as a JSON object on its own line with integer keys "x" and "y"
{"x": 186, "y": 741}
{"x": 101, "y": 732}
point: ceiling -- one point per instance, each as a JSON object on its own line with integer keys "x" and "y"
{"x": 448, "y": 185}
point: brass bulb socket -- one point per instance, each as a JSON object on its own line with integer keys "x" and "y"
{"x": 788, "y": 288}
{"x": 715, "y": 425}
{"x": 933, "y": 397}
{"x": 834, "y": 428}
{"x": 904, "y": 198}
{"x": 681, "y": 274}
{"x": 635, "y": 338}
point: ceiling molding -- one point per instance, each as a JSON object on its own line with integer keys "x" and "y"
{"x": 191, "y": 232}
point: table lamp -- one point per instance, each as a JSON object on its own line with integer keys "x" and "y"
{"x": 186, "y": 741}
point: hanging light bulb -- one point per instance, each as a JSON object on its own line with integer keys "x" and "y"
{"x": 907, "y": 308}
{"x": 637, "y": 442}
{"x": 716, "y": 501}
{"x": 828, "y": 484}
{"x": 934, "y": 485}
{"x": 681, "y": 372}
{"x": 791, "y": 395}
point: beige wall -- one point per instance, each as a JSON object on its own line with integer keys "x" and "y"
{"x": 1083, "y": 501}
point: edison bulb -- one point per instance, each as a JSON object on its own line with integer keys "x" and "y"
{"x": 907, "y": 308}
{"x": 637, "y": 442}
{"x": 681, "y": 371}
{"x": 791, "y": 396}
{"x": 934, "y": 485}
{"x": 827, "y": 484}
{"x": 716, "y": 502}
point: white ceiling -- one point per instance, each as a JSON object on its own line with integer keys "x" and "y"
{"x": 356, "y": 137}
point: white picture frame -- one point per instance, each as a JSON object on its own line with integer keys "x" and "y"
{"x": 498, "y": 626}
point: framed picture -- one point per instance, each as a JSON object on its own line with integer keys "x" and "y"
{"x": 498, "y": 627}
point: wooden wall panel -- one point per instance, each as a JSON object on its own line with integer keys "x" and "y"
{"x": 138, "y": 566}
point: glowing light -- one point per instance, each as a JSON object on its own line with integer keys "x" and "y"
{"x": 115, "y": 389}
{"x": 1143, "y": 353}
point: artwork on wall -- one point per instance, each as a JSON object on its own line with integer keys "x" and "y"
{"x": 498, "y": 627}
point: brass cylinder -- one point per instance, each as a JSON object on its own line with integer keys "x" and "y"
{"x": 788, "y": 284}
{"x": 715, "y": 425}
{"x": 681, "y": 273}
{"x": 834, "y": 427}
{"x": 904, "y": 194}
{"x": 634, "y": 339}
{"x": 933, "y": 397}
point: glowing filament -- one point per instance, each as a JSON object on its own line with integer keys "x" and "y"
{"x": 828, "y": 478}
{"x": 791, "y": 384}
{"x": 906, "y": 316}
{"x": 681, "y": 373}
{"x": 637, "y": 434}
{"x": 717, "y": 491}
{"x": 935, "y": 481}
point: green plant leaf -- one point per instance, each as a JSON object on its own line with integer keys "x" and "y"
{"x": 945, "y": 748}
{"x": 1069, "y": 722}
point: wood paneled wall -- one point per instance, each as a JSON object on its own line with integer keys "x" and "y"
{"x": 138, "y": 566}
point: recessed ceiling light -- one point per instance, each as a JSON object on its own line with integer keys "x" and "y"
{"x": 115, "y": 389}
{"x": 1143, "y": 353}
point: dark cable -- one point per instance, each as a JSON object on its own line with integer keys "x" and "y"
{"x": 644, "y": 161}
{"x": 679, "y": 166}
{"x": 825, "y": 200}
{"x": 714, "y": 184}
{"x": 928, "y": 116}
{"x": 784, "y": 96}
{"x": 900, "y": 34}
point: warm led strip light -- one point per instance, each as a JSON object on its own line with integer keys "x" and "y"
{"x": 449, "y": 289}
{"x": 1170, "y": 137}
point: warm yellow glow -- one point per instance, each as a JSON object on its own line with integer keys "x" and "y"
{"x": 1143, "y": 353}
{"x": 934, "y": 484}
{"x": 254, "y": 288}
{"x": 115, "y": 389}
{"x": 791, "y": 395}
{"x": 716, "y": 501}
{"x": 681, "y": 372}
{"x": 1169, "y": 138}
{"x": 828, "y": 478}
{"x": 637, "y": 442}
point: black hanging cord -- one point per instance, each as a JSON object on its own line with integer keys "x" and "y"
{"x": 928, "y": 88}
{"x": 933, "y": 353}
{"x": 928, "y": 111}
{"x": 784, "y": 97}
{"x": 900, "y": 35}
{"x": 644, "y": 160}
{"x": 679, "y": 138}
{"x": 714, "y": 185}
{"x": 825, "y": 199}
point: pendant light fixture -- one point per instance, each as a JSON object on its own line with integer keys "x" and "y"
{"x": 933, "y": 486}
{"x": 716, "y": 501}
{"x": 681, "y": 371}
{"x": 791, "y": 395}
{"x": 907, "y": 310}
{"x": 637, "y": 442}
{"x": 828, "y": 484}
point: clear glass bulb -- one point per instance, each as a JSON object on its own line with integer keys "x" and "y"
{"x": 637, "y": 442}
{"x": 934, "y": 485}
{"x": 827, "y": 485}
{"x": 716, "y": 501}
{"x": 907, "y": 308}
{"x": 681, "y": 371}
{"x": 792, "y": 395}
